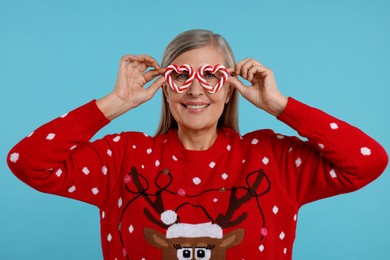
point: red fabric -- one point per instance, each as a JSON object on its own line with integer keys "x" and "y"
{"x": 251, "y": 187}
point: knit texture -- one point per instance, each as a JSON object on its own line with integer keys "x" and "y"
{"x": 237, "y": 200}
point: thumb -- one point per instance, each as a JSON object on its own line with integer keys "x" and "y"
{"x": 241, "y": 87}
{"x": 153, "y": 88}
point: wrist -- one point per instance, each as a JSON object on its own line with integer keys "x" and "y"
{"x": 278, "y": 106}
{"x": 112, "y": 106}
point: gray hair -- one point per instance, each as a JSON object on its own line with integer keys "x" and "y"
{"x": 195, "y": 39}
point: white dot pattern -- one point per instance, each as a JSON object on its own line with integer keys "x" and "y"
{"x": 72, "y": 189}
{"x": 196, "y": 180}
{"x": 14, "y": 157}
{"x": 298, "y": 162}
{"x": 50, "y": 136}
{"x": 58, "y": 173}
{"x": 265, "y": 160}
{"x": 212, "y": 164}
{"x": 365, "y": 151}
{"x": 85, "y": 170}
{"x": 334, "y": 126}
{"x": 104, "y": 170}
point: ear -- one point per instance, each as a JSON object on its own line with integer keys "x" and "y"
{"x": 229, "y": 93}
{"x": 232, "y": 238}
{"x": 166, "y": 91}
{"x": 155, "y": 238}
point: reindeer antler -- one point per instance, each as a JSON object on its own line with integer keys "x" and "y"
{"x": 157, "y": 204}
{"x": 225, "y": 220}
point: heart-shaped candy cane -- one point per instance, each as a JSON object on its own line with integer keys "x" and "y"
{"x": 212, "y": 70}
{"x": 179, "y": 69}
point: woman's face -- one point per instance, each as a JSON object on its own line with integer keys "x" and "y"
{"x": 195, "y": 108}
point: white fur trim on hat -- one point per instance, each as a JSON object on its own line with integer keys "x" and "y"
{"x": 195, "y": 230}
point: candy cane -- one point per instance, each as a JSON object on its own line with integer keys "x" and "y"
{"x": 213, "y": 70}
{"x": 198, "y": 75}
{"x": 179, "y": 69}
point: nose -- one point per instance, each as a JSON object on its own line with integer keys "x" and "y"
{"x": 195, "y": 89}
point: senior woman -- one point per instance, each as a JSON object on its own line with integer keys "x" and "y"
{"x": 197, "y": 189}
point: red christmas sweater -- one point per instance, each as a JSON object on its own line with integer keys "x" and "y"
{"x": 237, "y": 200}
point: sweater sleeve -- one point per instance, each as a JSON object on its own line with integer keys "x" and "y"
{"x": 58, "y": 157}
{"x": 337, "y": 158}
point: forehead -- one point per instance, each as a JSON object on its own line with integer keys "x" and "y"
{"x": 198, "y": 57}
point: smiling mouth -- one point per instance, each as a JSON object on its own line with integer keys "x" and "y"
{"x": 195, "y": 106}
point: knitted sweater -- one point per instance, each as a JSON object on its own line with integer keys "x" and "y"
{"x": 237, "y": 200}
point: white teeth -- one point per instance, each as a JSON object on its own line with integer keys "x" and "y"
{"x": 196, "y": 107}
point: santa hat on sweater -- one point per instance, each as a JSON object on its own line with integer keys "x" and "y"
{"x": 204, "y": 226}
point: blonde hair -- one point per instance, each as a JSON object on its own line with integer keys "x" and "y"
{"x": 194, "y": 39}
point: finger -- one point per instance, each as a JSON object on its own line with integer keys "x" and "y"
{"x": 151, "y": 62}
{"x": 241, "y": 87}
{"x": 128, "y": 58}
{"x": 151, "y": 74}
{"x": 247, "y": 66}
{"x": 231, "y": 71}
{"x": 257, "y": 69}
{"x": 152, "y": 89}
{"x": 240, "y": 64}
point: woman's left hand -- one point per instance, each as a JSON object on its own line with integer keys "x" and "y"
{"x": 264, "y": 92}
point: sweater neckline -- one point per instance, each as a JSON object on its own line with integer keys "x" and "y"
{"x": 219, "y": 146}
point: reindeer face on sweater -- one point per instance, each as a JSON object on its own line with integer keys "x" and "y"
{"x": 195, "y": 247}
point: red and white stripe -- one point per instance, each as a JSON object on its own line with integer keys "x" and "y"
{"x": 179, "y": 69}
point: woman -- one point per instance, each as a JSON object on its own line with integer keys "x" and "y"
{"x": 197, "y": 190}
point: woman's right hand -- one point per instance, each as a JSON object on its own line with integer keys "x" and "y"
{"x": 129, "y": 91}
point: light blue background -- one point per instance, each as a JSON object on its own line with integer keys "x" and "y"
{"x": 57, "y": 55}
